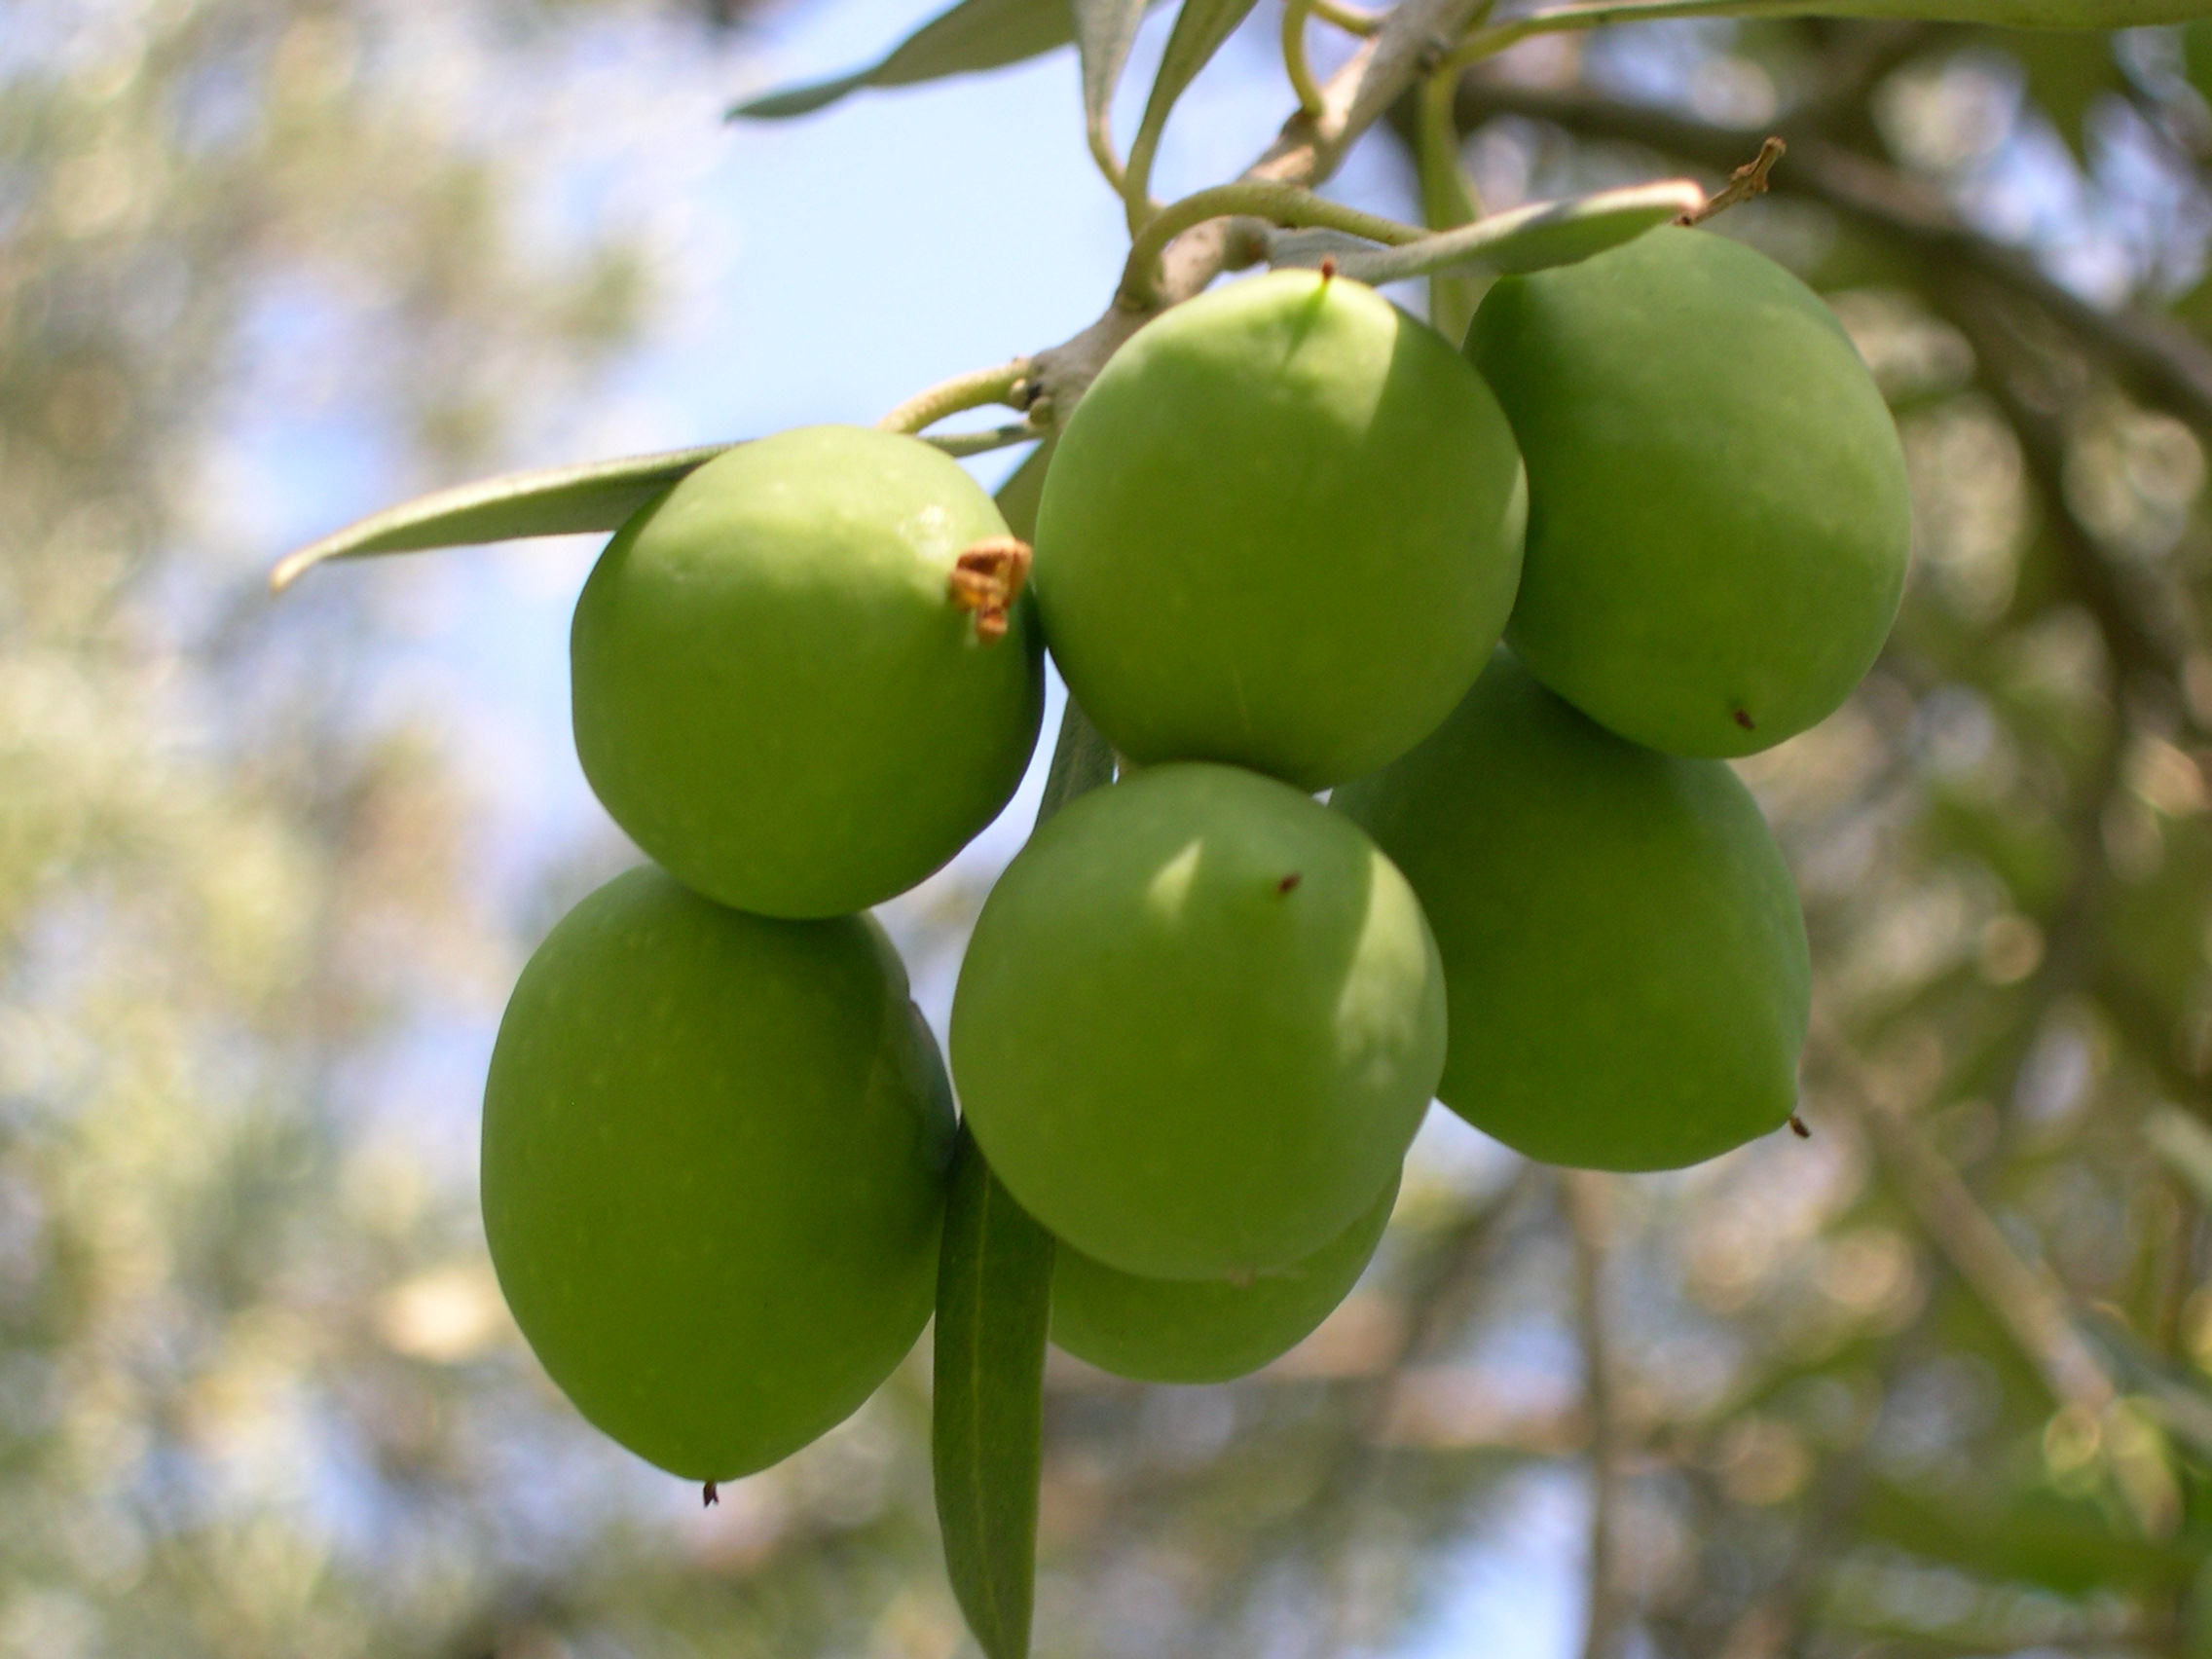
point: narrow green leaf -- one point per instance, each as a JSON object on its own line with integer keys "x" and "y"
{"x": 973, "y": 35}
{"x": 1104, "y": 30}
{"x": 1083, "y": 760}
{"x": 1199, "y": 30}
{"x": 1024, "y": 488}
{"x": 2067, "y": 78}
{"x": 558, "y": 501}
{"x": 994, "y": 1298}
{"x": 799, "y": 100}
{"x": 1533, "y": 237}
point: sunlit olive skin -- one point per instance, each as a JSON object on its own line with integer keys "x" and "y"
{"x": 774, "y": 694}
{"x": 1719, "y": 517}
{"x": 712, "y": 1173}
{"x": 1197, "y": 1025}
{"x": 1282, "y": 530}
{"x": 1155, "y": 1330}
{"x": 1623, "y": 950}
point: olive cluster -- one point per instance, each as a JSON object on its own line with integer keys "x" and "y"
{"x": 1202, "y": 1013}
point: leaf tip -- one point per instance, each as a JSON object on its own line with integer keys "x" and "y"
{"x": 289, "y": 569}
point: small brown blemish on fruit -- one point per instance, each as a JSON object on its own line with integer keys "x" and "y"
{"x": 1746, "y": 721}
{"x": 1797, "y": 1127}
{"x": 709, "y": 1494}
{"x": 1290, "y": 881}
{"x": 987, "y": 579}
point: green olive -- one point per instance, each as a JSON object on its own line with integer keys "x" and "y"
{"x": 714, "y": 1157}
{"x": 1282, "y": 530}
{"x": 1197, "y": 1025}
{"x": 1718, "y": 518}
{"x": 1206, "y": 1330}
{"x": 775, "y": 694}
{"x": 1623, "y": 952}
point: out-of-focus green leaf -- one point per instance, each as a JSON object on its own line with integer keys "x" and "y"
{"x": 994, "y": 1300}
{"x": 2197, "y": 1616}
{"x": 1199, "y": 30}
{"x": 2067, "y": 76}
{"x": 2196, "y": 56}
{"x": 2035, "y": 1538}
{"x": 1535, "y": 238}
{"x": 973, "y": 35}
{"x": 557, "y": 500}
{"x": 1104, "y": 30}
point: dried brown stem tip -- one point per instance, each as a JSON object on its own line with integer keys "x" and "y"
{"x": 1328, "y": 270}
{"x": 709, "y": 1494}
{"x": 987, "y": 579}
{"x": 1746, "y": 182}
{"x": 1797, "y": 1127}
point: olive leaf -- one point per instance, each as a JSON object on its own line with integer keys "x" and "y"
{"x": 1104, "y": 31}
{"x": 1024, "y": 488}
{"x": 555, "y": 501}
{"x": 994, "y": 1299}
{"x": 976, "y": 34}
{"x": 1199, "y": 30}
{"x": 994, "y": 1296}
{"x": 1535, "y": 238}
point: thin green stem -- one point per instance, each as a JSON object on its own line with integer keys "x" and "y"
{"x": 1294, "y": 63}
{"x": 1100, "y": 137}
{"x": 1448, "y": 200}
{"x": 958, "y": 444}
{"x": 971, "y": 391}
{"x": 1286, "y": 205}
{"x": 1351, "y": 18}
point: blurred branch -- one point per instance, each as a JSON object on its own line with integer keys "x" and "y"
{"x": 2170, "y": 365}
{"x": 2040, "y": 424}
{"x": 1461, "y": 1259}
{"x": 1588, "y": 1196}
{"x": 1434, "y": 1304}
{"x": 2030, "y": 1304}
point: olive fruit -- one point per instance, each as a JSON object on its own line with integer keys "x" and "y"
{"x": 1157, "y": 1330}
{"x": 713, "y": 1171}
{"x": 1623, "y": 951}
{"x": 1197, "y": 1025}
{"x": 776, "y": 693}
{"x": 1718, "y": 515}
{"x": 1282, "y": 530}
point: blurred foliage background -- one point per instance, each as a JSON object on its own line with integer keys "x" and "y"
{"x": 1936, "y": 1381}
